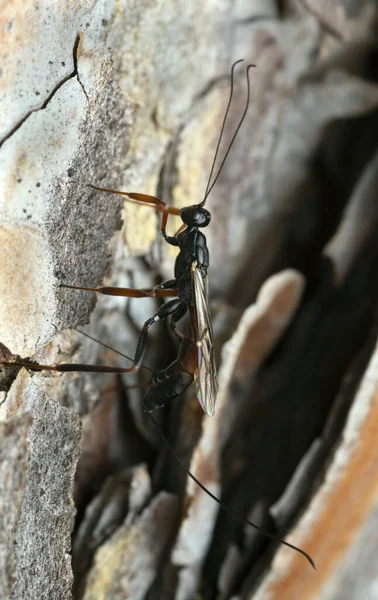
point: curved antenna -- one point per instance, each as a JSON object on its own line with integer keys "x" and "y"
{"x": 208, "y": 189}
{"x": 223, "y": 125}
{"x": 228, "y": 509}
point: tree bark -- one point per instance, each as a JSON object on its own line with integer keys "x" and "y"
{"x": 131, "y": 96}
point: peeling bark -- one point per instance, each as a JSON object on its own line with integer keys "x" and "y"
{"x": 131, "y": 96}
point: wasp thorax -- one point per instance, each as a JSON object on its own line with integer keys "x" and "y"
{"x": 195, "y": 216}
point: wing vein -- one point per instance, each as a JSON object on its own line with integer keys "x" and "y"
{"x": 206, "y": 376}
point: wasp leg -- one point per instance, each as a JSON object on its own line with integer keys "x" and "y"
{"x": 69, "y": 367}
{"x": 177, "y": 315}
{"x": 128, "y": 292}
{"x": 151, "y": 201}
{"x": 168, "y": 309}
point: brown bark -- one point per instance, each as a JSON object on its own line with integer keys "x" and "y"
{"x": 133, "y": 97}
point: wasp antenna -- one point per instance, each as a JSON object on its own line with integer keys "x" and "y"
{"x": 208, "y": 189}
{"x": 229, "y": 510}
{"x": 222, "y": 128}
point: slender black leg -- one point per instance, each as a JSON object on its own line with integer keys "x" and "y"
{"x": 163, "y": 313}
{"x": 168, "y": 309}
{"x": 177, "y": 315}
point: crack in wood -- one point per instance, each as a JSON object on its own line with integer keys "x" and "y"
{"x": 74, "y": 73}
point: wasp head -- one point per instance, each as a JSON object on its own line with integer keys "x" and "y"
{"x": 195, "y": 216}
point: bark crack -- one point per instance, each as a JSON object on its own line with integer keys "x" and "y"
{"x": 76, "y": 69}
{"x": 74, "y": 73}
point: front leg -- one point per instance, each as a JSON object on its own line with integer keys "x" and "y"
{"x": 170, "y": 239}
{"x": 151, "y": 201}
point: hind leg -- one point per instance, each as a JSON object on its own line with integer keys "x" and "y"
{"x": 175, "y": 309}
{"x": 176, "y": 316}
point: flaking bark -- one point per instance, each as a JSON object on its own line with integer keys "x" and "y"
{"x": 132, "y": 96}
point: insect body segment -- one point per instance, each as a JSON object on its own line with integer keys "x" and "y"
{"x": 170, "y": 383}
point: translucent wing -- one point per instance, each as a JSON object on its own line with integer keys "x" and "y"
{"x": 206, "y": 375}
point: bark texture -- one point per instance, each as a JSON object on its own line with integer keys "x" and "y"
{"x": 131, "y": 95}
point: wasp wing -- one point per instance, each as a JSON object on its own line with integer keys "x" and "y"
{"x": 206, "y": 375}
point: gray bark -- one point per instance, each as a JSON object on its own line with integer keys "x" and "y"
{"x": 131, "y": 96}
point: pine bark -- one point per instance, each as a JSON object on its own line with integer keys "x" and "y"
{"x": 131, "y": 96}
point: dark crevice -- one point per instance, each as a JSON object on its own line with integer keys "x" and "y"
{"x": 50, "y": 96}
{"x": 337, "y": 163}
{"x": 9, "y": 374}
{"x": 76, "y": 69}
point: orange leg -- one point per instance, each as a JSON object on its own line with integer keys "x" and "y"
{"x": 151, "y": 201}
{"x": 127, "y": 292}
